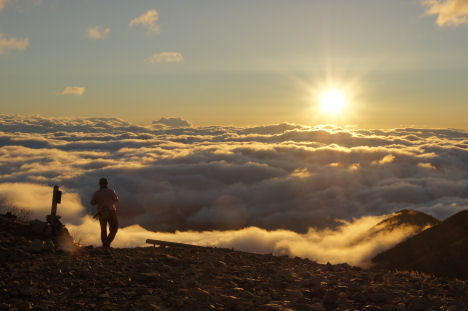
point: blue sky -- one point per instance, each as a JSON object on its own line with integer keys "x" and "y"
{"x": 240, "y": 62}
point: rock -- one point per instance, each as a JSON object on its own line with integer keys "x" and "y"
{"x": 10, "y": 215}
{"x": 354, "y": 287}
{"x": 389, "y": 307}
{"x": 359, "y": 297}
{"x": 418, "y": 304}
{"x": 317, "y": 307}
{"x": 25, "y": 291}
{"x": 49, "y": 246}
{"x": 48, "y": 233}
{"x": 372, "y": 308}
{"x": 379, "y": 295}
{"x": 330, "y": 298}
{"x": 104, "y": 295}
{"x": 306, "y": 307}
{"x": 295, "y": 294}
{"x": 36, "y": 246}
{"x": 342, "y": 296}
{"x": 38, "y": 227}
{"x": 311, "y": 282}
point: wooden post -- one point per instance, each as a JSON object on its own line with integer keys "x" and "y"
{"x": 55, "y": 196}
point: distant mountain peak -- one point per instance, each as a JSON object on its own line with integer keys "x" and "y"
{"x": 406, "y": 217}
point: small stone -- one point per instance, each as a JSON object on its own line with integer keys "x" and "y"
{"x": 418, "y": 304}
{"x": 25, "y": 291}
{"x": 401, "y": 306}
{"x": 311, "y": 282}
{"x": 342, "y": 296}
{"x": 358, "y": 297}
{"x": 371, "y": 308}
{"x": 317, "y": 307}
{"x": 389, "y": 307}
{"x": 36, "y": 246}
{"x": 330, "y": 298}
{"x": 38, "y": 227}
{"x": 295, "y": 294}
{"x": 105, "y": 295}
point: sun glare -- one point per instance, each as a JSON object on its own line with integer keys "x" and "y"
{"x": 332, "y": 101}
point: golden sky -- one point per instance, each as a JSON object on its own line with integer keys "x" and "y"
{"x": 396, "y": 63}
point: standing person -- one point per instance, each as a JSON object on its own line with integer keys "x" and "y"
{"x": 105, "y": 199}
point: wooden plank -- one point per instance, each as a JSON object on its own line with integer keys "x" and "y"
{"x": 166, "y": 243}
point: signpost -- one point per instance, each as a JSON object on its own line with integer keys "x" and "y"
{"x": 53, "y": 218}
{"x": 56, "y": 199}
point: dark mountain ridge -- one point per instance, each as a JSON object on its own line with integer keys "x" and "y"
{"x": 441, "y": 249}
{"x": 405, "y": 217}
{"x": 411, "y": 221}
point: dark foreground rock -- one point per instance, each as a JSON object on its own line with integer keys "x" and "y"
{"x": 196, "y": 278}
{"x": 442, "y": 250}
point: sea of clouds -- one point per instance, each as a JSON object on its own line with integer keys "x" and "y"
{"x": 284, "y": 189}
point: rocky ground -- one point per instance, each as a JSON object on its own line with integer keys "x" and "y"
{"x": 196, "y": 278}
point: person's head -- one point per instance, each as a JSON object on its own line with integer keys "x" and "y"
{"x": 103, "y": 182}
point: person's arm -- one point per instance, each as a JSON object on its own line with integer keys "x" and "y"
{"x": 94, "y": 199}
{"x": 94, "y": 202}
{"x": 116, "y": 198}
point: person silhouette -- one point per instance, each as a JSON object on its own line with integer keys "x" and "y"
{"x": 105, "y": 199}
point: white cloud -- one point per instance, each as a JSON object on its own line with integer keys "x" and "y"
{"x": 72, "y": 90}
{"x": 172, "y": 122}
{"x": 165, "y": 57}
{"x": 147, "y": 20}
{"x": 19, "y": 4}
{"x": 226, "y": 178}
{"x": 272, "y": 188}
{"x": 2, "y": 4}
{"x": 37, "y": 199}
{"x": 449, "y": 12}
{"x": 97, "y": 32}
{"x": 344, "y": 244}
{"x": 12, "y": 43}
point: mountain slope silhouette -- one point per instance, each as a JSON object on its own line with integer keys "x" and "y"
{"x": 441, "y": 250}
{"x": 405, "y": 218}
{"x": 411, "y": 221}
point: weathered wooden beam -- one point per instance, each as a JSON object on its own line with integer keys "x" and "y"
{"x": 166, "y": 243}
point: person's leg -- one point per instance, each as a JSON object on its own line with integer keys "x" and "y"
{"x": 103, "y": 223}
{"x": 113, "y": 227}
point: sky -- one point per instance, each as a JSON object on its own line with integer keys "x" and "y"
{"x": 399, "y": 63}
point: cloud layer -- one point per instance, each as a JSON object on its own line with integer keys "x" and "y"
{"x": 165, "y": 57}
{"x": 286, "y": 177}
{"x": 12, "y": 43}
{"x": 172, "y": 122}
{"x": 73, "y": 90}
{"x": 97, "y": 32}
{"x": 148, "y": 20}
{"x": 335, "y": 246}
{"x": 449, "y": 12}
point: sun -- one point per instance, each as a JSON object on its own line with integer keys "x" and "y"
{"x": 332, "y": 101}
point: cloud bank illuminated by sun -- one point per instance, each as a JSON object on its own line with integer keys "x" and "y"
{"x": 266, "y": 185}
